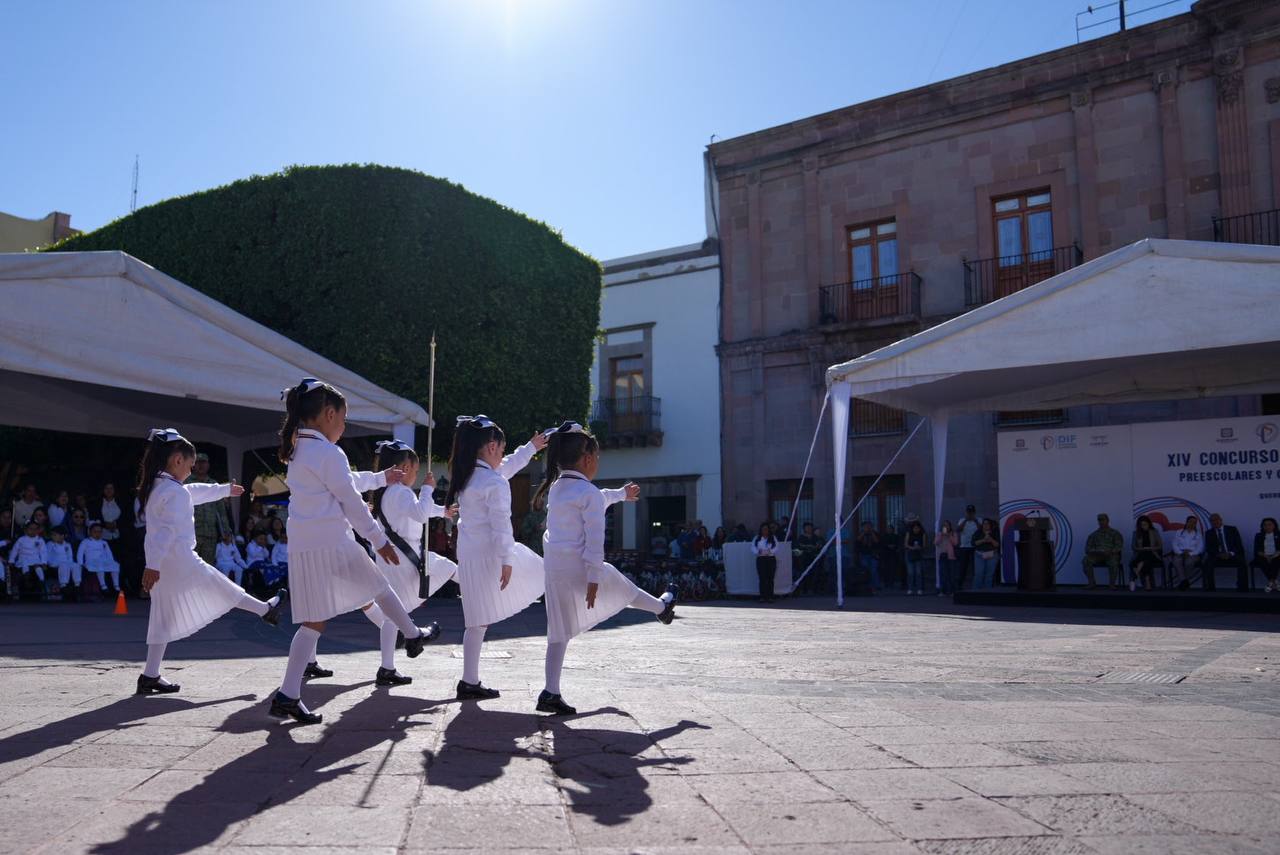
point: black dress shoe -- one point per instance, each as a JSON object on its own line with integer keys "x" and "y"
{"x": 155, "y": 686}
{"x": 314, "y": 670}
{"x": 273, "y": 614}
{"x": 413, "y": 646}
{"x": 283, "y": 706}
{"x": 669, "y": 613}
{"x": 391, "y": 677}
{"x": 476, "y": 692}
{"x": 554, "y": 704}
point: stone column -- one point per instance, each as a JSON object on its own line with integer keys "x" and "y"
{"x": 1173, "y": 163}
{"x": 1086, "y": 172}
{"x": 1233, "y": 131}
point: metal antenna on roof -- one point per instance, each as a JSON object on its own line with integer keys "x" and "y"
{"x": 133, "y": 200}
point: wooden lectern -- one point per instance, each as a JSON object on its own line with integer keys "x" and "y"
{"x": 1035, "y": 554}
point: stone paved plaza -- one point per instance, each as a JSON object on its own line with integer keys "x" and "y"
{"x": 737, "y": 729}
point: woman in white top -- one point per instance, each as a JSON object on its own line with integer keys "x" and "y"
{"x": 109, "y": 512}
{"x": 765, "y": 547}
{"x": 1188, "y": 546}
{"x": 186, "y": 593}
{"x": 403, "y": 515}
{"x": 329, "y": 573}
{"x": 582, "y": 590}
{"x": 497, "y": 575}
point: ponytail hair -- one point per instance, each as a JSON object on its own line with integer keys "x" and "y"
{"x": 161, "y": 445}
{"x": 386, "y": 455}
{"x": 302, "y": 403}
{"x": 471, "y": 435}
{"x": 565, "y": 447}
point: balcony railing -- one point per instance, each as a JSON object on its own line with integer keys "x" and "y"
{"x": 1262, "y": 227}
{"x": 1015, "y": 418}
{"x": 869, "y": 299}
{"x": 628, "y": 422}
{"x": 871, "y": 419}
{"x": 992, "y": 278}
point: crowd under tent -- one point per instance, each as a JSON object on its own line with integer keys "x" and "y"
{"x": 1156, "y": 320}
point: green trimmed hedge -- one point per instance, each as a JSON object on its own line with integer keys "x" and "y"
{"x": 361, "y": 263}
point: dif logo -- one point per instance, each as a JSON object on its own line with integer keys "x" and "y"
{"x": 1267, "y": 433}
{"x": 1062, "y": 440}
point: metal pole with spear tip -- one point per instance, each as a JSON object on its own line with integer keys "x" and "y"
{"x": 431, "y": 399}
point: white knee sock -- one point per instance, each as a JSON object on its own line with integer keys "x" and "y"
{"x": 394, "y": 610}
{"x": 238, "y": 575}
{"x": 387, "y": 640}
{"x": 155, "y": 655}
{"x": 115, "y": 579}
{"x": 301, "y": 651}
{"x": 39, "y": 573}
{"x": 102, "y": 579}
{"x": 555, "y": 663}
{"x": 375, "y": 615}
{"x": 258, "y": 607}
{"x": 472, "y": 641}
{"x": 650, "y": 603}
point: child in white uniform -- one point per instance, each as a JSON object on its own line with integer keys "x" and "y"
{"x": 186, "y": 594}
{"x": 498, "y": 576}
{"x": 59, "y": 555}
{"x": 329, "y": 573}
{"x": 95, "y": 556}
{"x": 404, "y": 516}
{"x": 27, "y": 554}
{"x": 582, "y": 590}
{"x": 280, "y": 552}
{"x": 228, "y": 560}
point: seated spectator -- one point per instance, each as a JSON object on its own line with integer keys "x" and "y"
{"x": 280, "y": 552}
{"x": 59, "y": 510}
{"x": 986, "y": 554}
{"x": 1104, "y": 547}
{"x": 41, "y": 518}
{"x": 1266, "y": 553}
{"x": 658, "y": 546}
{"x": 266, "y": 575}
{"x": 1188, "y": 547}
{"x": 77, "y": 527}
{"x": 28, "y": 557}
{"x": 109, "y": 513}
{"x": 62, "y": 559}
{"x": 26, "y": 506}
{"x": 95, "y": 556}
{"x": 1148, "y": 554}
{"x": 228, "y": 560}
{"x": 1224, "y": 548}
{"x": 718, "y": 541}
{"x": 275, "y": 528}
{"x": 740, "y": 534}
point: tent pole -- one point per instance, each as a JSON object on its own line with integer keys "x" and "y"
{"x": 839, "y": 394}
{"x": 817, "y": 429}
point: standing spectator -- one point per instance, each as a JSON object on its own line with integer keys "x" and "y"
{"x": 109, "y": 514}
{"x": 1223, "y": 547}
{"x": 1266, "y": 553}
{"x": 1148, "y": 554}
{"x": 59, "y": 511}
{"x": 1104, "y": 546}
{"x": 701, "y": 542}
{"x": 80, "y": 502}
{"x": 914, "y": 544}
{"x": 658, "y": 545}
{"x": 26, "y": 506}
{"x": 686, "y": 540}
{"x": 891, "y": 556}
{"x": 1188, "y": 546}
{"x": 765, "y": 546}
{"x": 740, "y": 534}
{"x": 717, "y": 542}
{"x": 868, "y": 549}
{"x": 965, "y": 530}
{"x": 986, "y": 549}
{"x": 809, "y": 545}
{"x": 944, "y": 547}
{"x": 212, "y": 518}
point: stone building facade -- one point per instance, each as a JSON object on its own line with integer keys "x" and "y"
{"x": 843, "y": 232}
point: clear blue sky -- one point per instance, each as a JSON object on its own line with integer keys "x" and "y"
{"x": 591, "y": 115}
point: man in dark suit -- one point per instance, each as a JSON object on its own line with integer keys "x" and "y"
{"x": 1223, "y": 548}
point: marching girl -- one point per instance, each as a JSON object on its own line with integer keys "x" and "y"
{"x": 186, "y": 593}
{"x": 498, "y": 576}
{"x": 329, "y": 573}
{"x": 404, "y": 516}
{"x": 582, "y": 590}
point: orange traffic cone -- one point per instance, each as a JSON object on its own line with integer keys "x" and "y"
{"x": 121, "y": 608}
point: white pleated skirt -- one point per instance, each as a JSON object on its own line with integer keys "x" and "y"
{"x": 188, "y": 596}
{"x": 483, "y": 603}
{"x": 403, "y": 577}
{"x": 567, "y": 612}
{"x": 325, "y": 583}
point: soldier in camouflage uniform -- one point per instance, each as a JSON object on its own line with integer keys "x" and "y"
{"x": 212, "y": 518}
{"x": 1104, "y": 547}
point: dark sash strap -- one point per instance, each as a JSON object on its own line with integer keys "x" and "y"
{"x": 419, "y": 558}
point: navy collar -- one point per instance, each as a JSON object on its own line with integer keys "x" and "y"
{"x": 574, "y": 473}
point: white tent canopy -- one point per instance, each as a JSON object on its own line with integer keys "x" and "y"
{"x": 99, "y": 342}
{"x": 1157, "y": 320}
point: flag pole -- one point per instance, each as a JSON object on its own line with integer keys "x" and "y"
{"x": 431, "y": 399}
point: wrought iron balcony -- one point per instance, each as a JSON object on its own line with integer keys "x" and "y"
{"x": 1029, "y": 418}
{"x": 1262, "y": 227}
{"x": 870, "y": 299}
{"x": 992, "y": 278}
{"x": 871, "y": 419}
{"x": 627, "y": 422}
